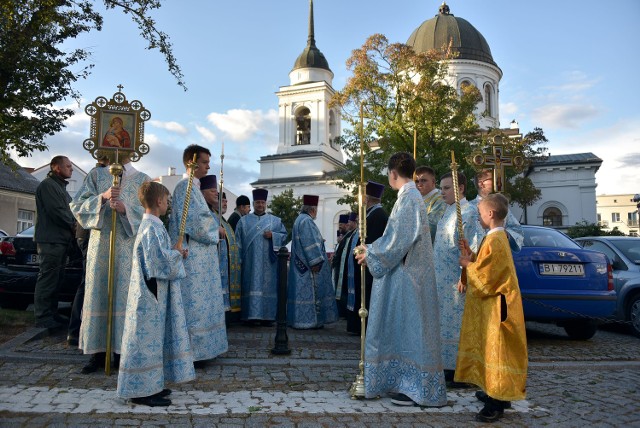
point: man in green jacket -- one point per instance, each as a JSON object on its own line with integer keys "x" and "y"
{"x": 54, "y": 232}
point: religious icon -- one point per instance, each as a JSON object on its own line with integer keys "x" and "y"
{"x": 117, "y": 132}
{"x": 117, "y": 125}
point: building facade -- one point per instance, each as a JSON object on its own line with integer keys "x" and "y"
{"x": 17, "y": 199}
{"x": 308, "y": 159}
{"x": 619, "y": 211}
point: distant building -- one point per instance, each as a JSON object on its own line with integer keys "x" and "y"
{"x": 568, "y": 187}
{"x": 17, "y": 199}
{"x": 308, "y": 159}
{"x": 618, "y": 211}
{"x": 76, "y": 180}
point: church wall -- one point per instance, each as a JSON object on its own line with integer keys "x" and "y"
{"x": 328, "y": 207}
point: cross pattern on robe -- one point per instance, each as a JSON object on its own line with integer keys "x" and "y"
{"x": 498, "y": 159}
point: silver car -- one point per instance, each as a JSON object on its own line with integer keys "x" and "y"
{"x": 624, "y": 254}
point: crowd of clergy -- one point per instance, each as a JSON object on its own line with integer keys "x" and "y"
{"x": 176, "y": 291}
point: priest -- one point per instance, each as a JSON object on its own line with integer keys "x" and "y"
{"x": 311, "y": 303}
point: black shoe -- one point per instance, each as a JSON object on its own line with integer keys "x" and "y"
{"x": 95, "y": 362}
{"x": 152, "y": 401}
{"x": 200, "y": 364}
{"x": 164, "y": 393}
{"x": 402, "y": 400}
{"x": 72, "y": 341}
{"x": 457, "y": 385}
{"x": 482, "y": 396}
{"x": 489, "y": 414}
{"x": 266, "y": 323}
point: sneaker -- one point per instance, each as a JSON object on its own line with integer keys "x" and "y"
{"x": 402, "y": 400}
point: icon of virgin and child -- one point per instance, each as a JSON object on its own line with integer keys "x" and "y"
{"x": 116, "y": 135}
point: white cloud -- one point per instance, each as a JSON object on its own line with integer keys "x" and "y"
{"x": 575, "y": 81}
{"x": 242, "y": 125}
{"x": 170, "y": 126}
{"x": 568, "y": 116}
{"x": 206, "y": 133}
{"x": 509, "y": 110}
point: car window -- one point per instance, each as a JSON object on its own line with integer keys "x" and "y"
{"x": 27, "y": 232}
{"x": 535, "y": 237}
{"x": 630, "y": 248}
{"x": 603, "y": 248}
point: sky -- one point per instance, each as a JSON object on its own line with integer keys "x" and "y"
{"x": 569, "y": 67}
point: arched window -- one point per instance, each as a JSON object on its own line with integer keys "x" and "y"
{"x": 303, "y": 126}
{"x": 488, "y": 90}
{"x": 552, "y": 217}
{"x": 333, "y": 129}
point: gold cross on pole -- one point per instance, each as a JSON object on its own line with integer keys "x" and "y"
{"x": 499, "y": 159}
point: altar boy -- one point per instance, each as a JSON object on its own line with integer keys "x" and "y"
{"x": 155, "y": 342}
{"x": 493, "y": 342}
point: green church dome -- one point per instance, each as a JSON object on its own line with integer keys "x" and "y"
{"x": 437, "y": 32}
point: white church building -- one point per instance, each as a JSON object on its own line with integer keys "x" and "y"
{"x": 308, "y": 161}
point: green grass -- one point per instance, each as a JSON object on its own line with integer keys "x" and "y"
{"x": 13, "y": 318}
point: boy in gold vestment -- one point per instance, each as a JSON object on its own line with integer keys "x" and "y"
{"x": 493, "y": 344}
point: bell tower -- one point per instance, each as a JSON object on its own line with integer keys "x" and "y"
{"x": 306, "y": 122}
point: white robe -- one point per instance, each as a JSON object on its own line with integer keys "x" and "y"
{"x": 91, "y": 213}
{"x": 202, "y": 288}
{"x": 155, "y": 343}
{"x": 402, "y": 351}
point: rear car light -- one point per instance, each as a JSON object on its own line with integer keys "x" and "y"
{"x": 7, "y": 249}
{"x": 610, "y": 285}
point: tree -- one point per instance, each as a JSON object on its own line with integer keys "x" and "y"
{"x": 35, "y": 73}
{"x": 401, "y": 91}
{"x": 584, "y": 228}
{"x": 287, "y": 208}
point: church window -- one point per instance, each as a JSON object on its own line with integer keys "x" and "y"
{"x": 333, "y": 129}
{"x": 303, "y": 127}
{"x": 552, "y": 217}
{"x": 615, "y": 217}
{"x": 487, "y": 99}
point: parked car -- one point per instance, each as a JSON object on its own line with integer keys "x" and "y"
{"x": 624, "y": 254}
{"x": 563, "y": 283}
{"x": 19, "y": 271}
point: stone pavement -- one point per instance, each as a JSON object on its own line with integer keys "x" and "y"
{"x": 570, "y": 383}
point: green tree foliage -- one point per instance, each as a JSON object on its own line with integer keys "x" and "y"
{"x": 287, "y": 207}
{"x": 400, "y": 91}
{"x": 584, "y": 228}
{"x": 36, "y": 72}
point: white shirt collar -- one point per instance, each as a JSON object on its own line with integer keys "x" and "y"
{"x": 431, "y": 193}
{"x": 495, "y": 229}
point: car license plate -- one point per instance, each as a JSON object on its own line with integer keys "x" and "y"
{"x": 32, "y": 259}
{"x": 565, "y": 269}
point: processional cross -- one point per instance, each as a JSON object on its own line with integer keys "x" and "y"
{"x": 498, "y": 159}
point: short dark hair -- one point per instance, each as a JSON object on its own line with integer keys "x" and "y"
{"x": 57, "y": 160}
{"x": 480, "y": 174}
{"x": 498, "y": 203}
{"x": 462, "y": 179}
{"x": 191, "y": 150}
{"x": 150, "y": 191}
{"x": 424, "y": 169}
{"x": 403, "y": 163}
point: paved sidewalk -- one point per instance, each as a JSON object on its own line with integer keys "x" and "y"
{"x": 571, "y": 383}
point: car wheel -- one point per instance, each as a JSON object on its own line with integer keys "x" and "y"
{"x": 633, "y": 314}
{"x": 580, "y": 330}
